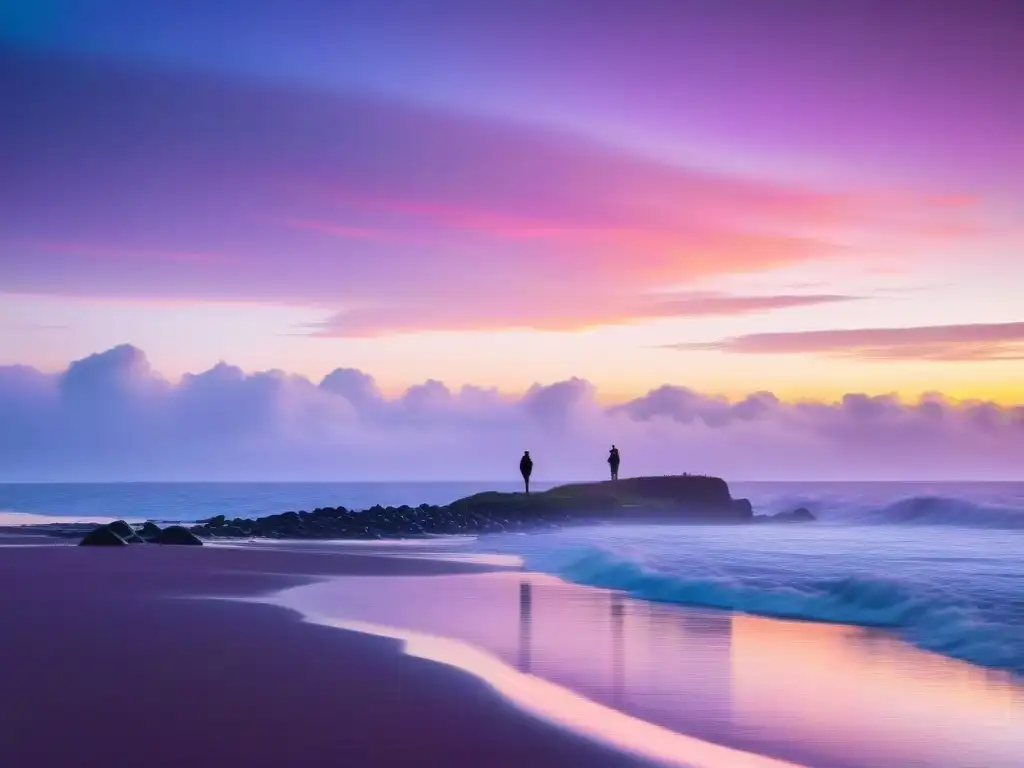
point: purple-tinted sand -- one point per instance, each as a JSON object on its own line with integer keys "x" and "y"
{"x": 101, "y": 664}
{"x": 407, "y": 653}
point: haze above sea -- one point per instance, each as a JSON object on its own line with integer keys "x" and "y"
{"x": 975, "y": 502}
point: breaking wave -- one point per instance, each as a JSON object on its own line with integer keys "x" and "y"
{"x": 940, "y": 510}
{"x": 1006, "y": 513}
{"x": 983, "y": 626}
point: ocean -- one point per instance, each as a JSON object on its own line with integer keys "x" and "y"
{"x": 195, "y": 501}
{"x": 941, "y": 565}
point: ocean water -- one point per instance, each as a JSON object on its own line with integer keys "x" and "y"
{"x": 941, "y": 565}
{"x": 195, "y": 501}
{"x": 677, "y": 683}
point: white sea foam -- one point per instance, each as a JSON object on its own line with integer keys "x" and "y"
{"x": 930, "y": 616}
{"x": 943, "y": 572}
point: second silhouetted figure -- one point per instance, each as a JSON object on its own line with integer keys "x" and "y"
{"x": 526, "y": 468}
{"x": 613, "y": 462}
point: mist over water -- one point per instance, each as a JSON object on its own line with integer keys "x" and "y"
{"x": 971, "y": 505}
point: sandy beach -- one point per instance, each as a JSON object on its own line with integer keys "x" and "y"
{"x": 103, "y": 664}
{"x": 330, "y": 654}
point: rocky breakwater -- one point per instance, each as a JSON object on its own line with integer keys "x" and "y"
{"x": 668, "y": 499}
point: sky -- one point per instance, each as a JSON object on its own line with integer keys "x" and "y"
{"x": 813, "y": 206}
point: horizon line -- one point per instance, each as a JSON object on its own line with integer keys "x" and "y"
{"x": 552, "y": 483}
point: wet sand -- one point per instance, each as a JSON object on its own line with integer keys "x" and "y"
{"x": 103, "y": 664}
{"x": 821, "y": 695}
{"x": 107, "y": 659}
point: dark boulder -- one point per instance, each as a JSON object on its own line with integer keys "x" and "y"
{"x": 102, "y": 537}
{"x": 328, "y": 512}
{"x": 121, "y": 528}
{"x": 148, "y": 531}
{"x": 177, "y": 534}
{"x": 125, "y": 531}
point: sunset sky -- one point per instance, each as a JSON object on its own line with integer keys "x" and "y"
{"x": 799, "y": 197}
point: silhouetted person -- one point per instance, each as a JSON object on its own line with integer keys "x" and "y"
{"x": 613, "y": 462}
{"x": 526, "y": 468}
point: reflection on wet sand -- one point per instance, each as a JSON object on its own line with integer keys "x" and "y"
{"x": 617, "y": 624}
{"x": 905, "y": 707}
{"x": 824, "y": 695}
{"x": 618, "y": 649}
{"x": 525, "y": 621}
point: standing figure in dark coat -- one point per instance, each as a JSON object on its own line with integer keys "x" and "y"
{"x": 613, "y": 462}
{"x": 526, "y": 468}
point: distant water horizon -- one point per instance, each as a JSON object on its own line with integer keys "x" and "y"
{"x": 183, "y": 500}
{"x": 190, "y": 501}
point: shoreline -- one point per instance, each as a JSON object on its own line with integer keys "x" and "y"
{"x": 754, "y": 684}
{"x": 30, "y": 536}
{"x": 253, "y": 632}
{"x": 95, "y": 651}
{"x": 563, "y": 707}
{"x": 404, "y": 546}
{"x": 97, "y": 627}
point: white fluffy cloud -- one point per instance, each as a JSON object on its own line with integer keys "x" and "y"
{"x": 111, "y": 417}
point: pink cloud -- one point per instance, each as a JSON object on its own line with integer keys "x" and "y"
{"x": 561, "y": 310}
{"x": 638, "y": 202}
{"x": 361, "y": 204}
{"x": 110, "y": 416}
{"x": 974, "y": 342}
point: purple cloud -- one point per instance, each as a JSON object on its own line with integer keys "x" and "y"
{"x": 972, "y": 342}
{"x": 110, "y": 416}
